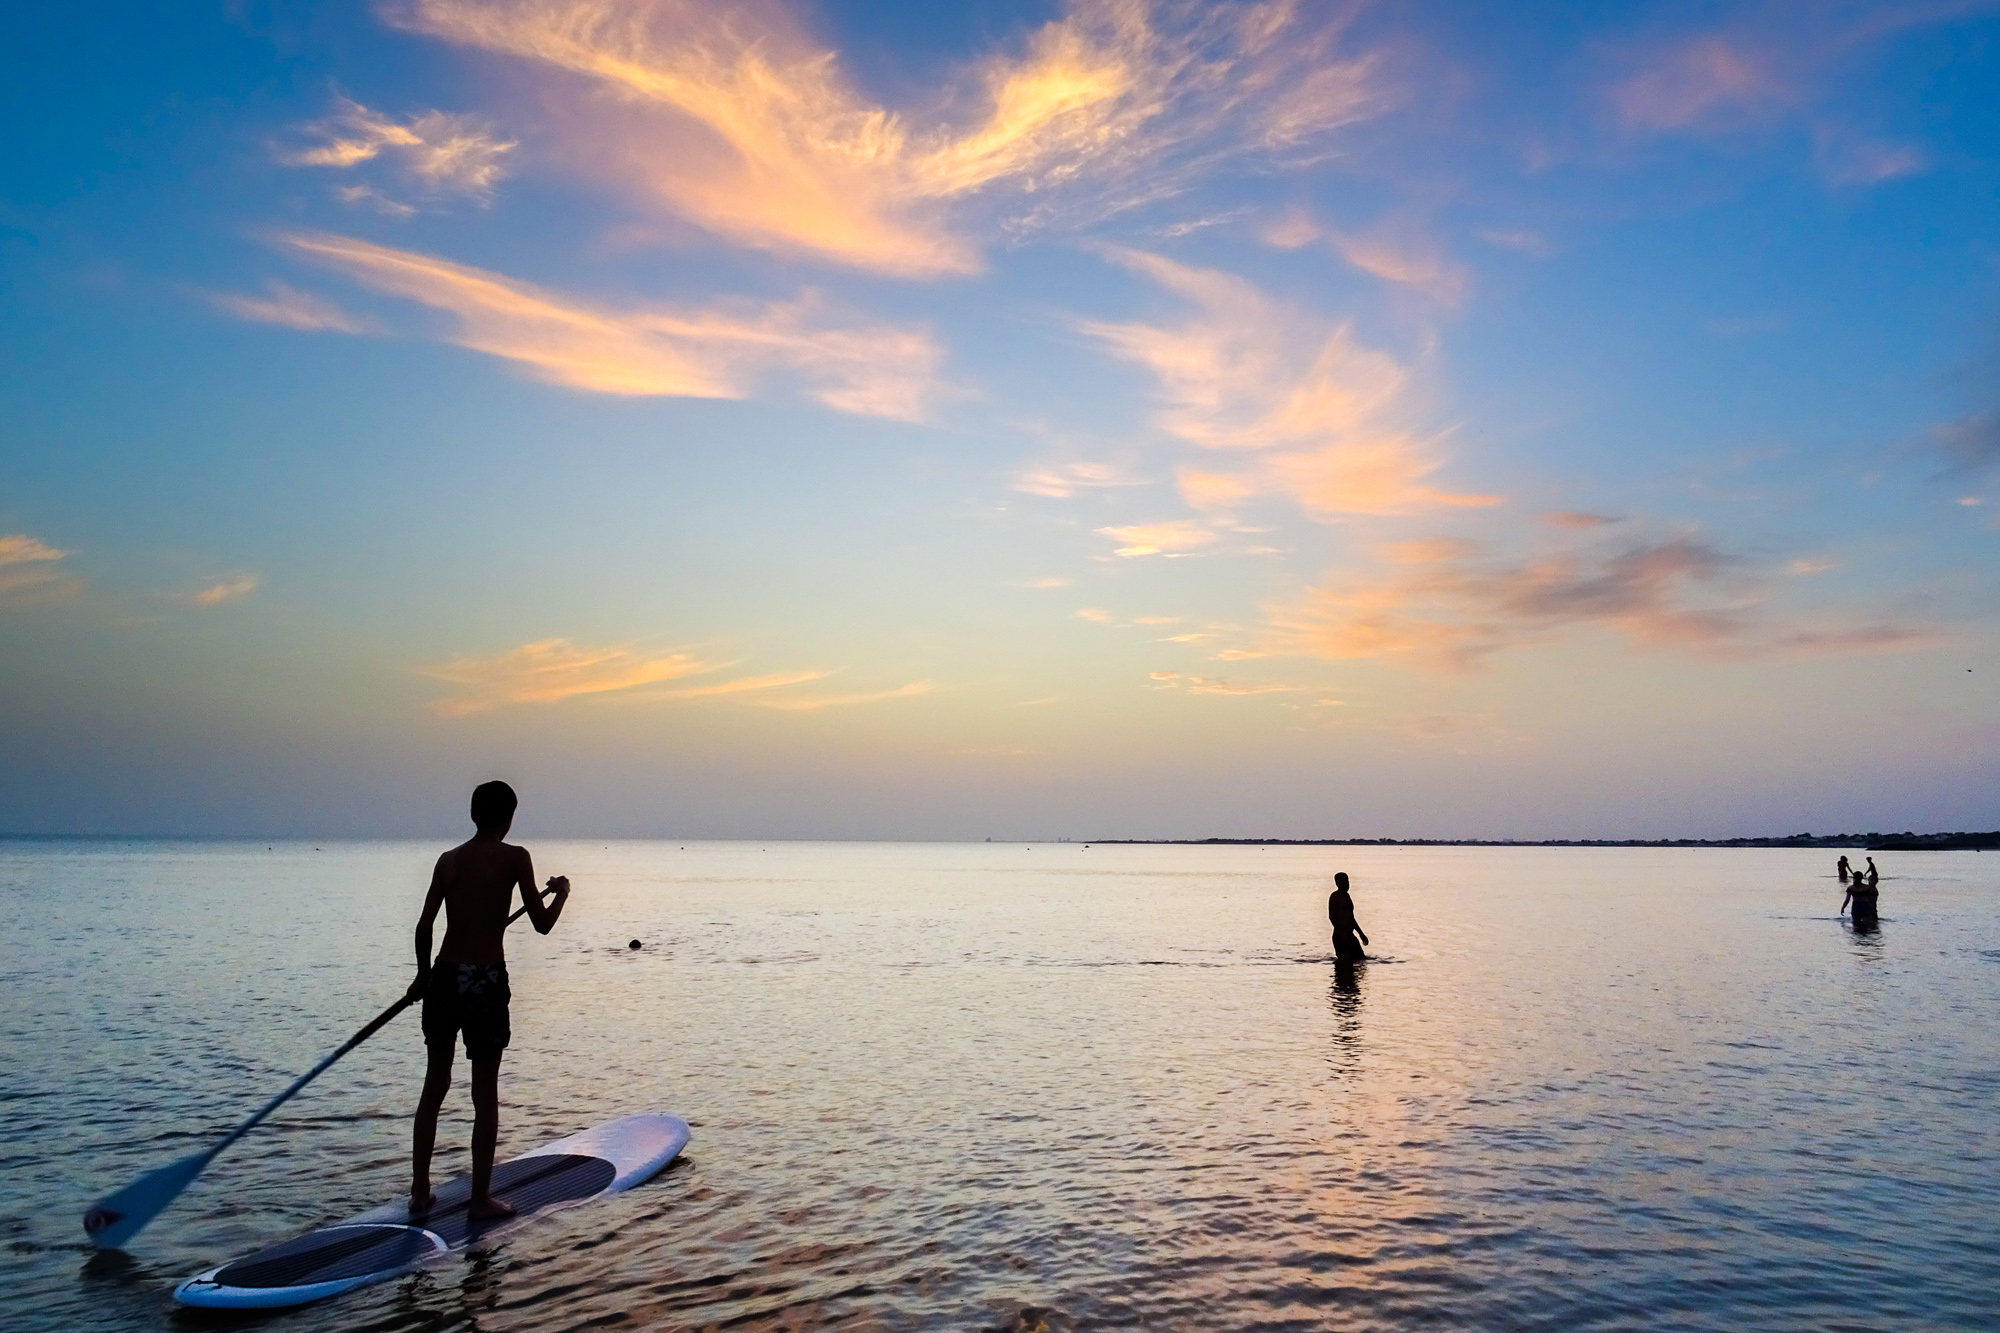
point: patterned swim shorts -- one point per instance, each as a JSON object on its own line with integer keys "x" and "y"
{"x": 470, "y": 998}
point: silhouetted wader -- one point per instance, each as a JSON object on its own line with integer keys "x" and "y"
{"x": 1865, "y": 897}
{"x": 1346, "y": 947}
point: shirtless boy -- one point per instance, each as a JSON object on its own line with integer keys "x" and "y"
{"x": 465, "y": 990}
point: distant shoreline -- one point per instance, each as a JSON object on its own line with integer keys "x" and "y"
{"x": 1870, "y": 842}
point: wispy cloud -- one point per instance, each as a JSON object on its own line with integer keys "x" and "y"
{"x": 1175, "y": 538}
{"x": 1312, "y": 412}
{"x": 749, "y": 684}
{"x": 1052, "y": 582}
{"x": 219, "y": 591}
{"x": 1173, "y": 680}
{"x": 1845, "y": 156}
{"x": 1575, "y": 520}
{"x": 870, "y": 369}
{"x": 1677, "y": 593}
{"x": 1709, "y": 82}
{"x": 735, "y": 118}
{"x": 1059, "y": 481}
{"x": 28, "y": 576}
{"x": 1770, "y": 63}
{"x": 21, "y": 549}
{"x": 436, "y": 152}
{"x": 293, "y": 309}
{"x": 1205, "y": 685}
{"x": 1397, "y": 250}
{"x": 811, "y": 703}
{"x": 370, "y": 197}
{"x": 550, "y": 670}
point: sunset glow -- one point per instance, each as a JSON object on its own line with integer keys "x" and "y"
{"x": 727, "y": 419}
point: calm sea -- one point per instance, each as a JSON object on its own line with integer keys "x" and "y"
{"x": 1016, "y": 1087}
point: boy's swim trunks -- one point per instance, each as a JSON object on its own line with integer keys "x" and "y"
{"x": 472, "y": 998}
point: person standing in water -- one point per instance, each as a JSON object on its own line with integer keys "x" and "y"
{"x": 1841, "y": 869}
{"x": 1340, "y": 911}
{"x": 1874, "y": 875}
{"x": 465, "y": 988}
{"x": 1864, "y": 895}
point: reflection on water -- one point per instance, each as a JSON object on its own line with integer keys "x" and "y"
{"x": 938, "y": 1087}
{"x": 1344, "y": 998}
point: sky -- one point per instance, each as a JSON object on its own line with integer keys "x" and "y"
{"x": 895, "y": 420}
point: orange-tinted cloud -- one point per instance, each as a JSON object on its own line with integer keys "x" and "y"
{"x": 438, "y": 152}
{"x": 1204, "y": 685}
{"x": 812, "y": 703}
{"x": 21, "y": 549}
{"x": 1059, "y": 481}
{"x": 1177, "y": 538}
{"x": 27, "y": 573}
{"x": 737, "y": 119}
{"x": 291, "y": 308}
{"x": 771, "y": 681}
{"x": 1214, "y": 490}
{"x": 1173, "y": 680}
{"x": 874, "y": 370}
{"x": 220, "y": 591}
{"x": 550, "y": 670}
{"x": 1678, "y": 593}
{"x": 1312, "y": 412}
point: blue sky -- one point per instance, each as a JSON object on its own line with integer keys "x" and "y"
{"x": 902, "y": 421}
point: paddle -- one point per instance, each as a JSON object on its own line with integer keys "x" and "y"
{"x": 116, "y": 1218}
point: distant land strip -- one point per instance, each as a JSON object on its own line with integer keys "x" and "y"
{"x": 1871, "y": 842}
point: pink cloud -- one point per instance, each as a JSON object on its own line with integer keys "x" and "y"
{"x": 1676, "y": 593}
{"x": 1311, "y": 414}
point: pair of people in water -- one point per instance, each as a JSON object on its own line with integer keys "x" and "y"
{"x": 1861, "y": 890}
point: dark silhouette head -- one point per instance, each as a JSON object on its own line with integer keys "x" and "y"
{"x": 1340, "y": 881}
{"x": 493, "y": 806}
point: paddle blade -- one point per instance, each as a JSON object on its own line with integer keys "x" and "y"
{"x": 116, "y": 1218}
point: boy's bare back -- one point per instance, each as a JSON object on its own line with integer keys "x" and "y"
{"x": 476, "y": 881}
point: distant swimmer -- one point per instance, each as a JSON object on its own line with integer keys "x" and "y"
{"x": 1340, "y": 911}
{"x": 1874, "y": 875}
{"x": 1842, "y": 869}
{"x": 465, "y": 988}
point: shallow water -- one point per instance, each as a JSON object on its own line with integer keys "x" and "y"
{"x": 1008, "y": 1087}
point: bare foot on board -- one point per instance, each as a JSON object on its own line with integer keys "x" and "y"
{"x": 488, "y": 1210}
{"x": 422, "y": 1201}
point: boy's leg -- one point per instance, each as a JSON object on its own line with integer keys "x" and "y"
{"x": 485, "y": 1139}
{"x": 423, "y": 1137}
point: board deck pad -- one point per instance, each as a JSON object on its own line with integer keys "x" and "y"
{"x": 388, "y": 1240}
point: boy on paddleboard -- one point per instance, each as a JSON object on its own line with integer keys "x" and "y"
{"x": 465, "y": 989}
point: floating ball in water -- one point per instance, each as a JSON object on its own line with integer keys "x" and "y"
{"x": 633, "y": 945}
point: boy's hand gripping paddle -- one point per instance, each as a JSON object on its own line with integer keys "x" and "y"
{"x": 116, "y": 1218}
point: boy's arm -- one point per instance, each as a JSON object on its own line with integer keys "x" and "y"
{"x": 433, "y": 900}
{"x": 543, "y": 915}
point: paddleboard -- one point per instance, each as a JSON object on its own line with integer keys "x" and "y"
{"x": 387, "y": 1240}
